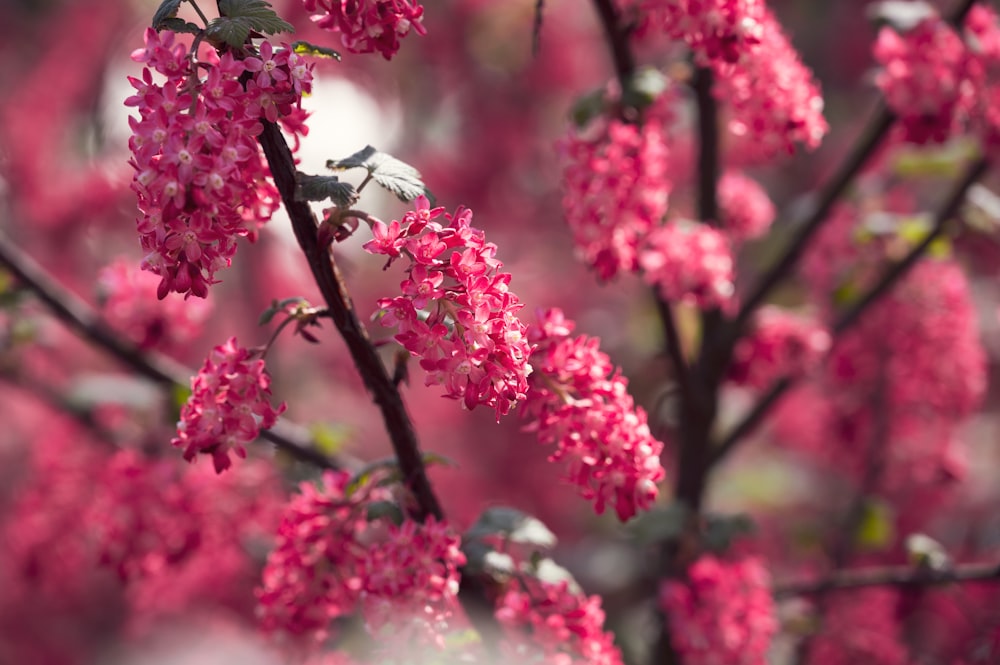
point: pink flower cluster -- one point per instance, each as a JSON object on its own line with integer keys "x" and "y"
{"x": 199, "y": 175}
{"x": 715, "y": 30}
{"x": 862, "y": 627}
{"x": 938, "y": 82}
{"x": 457, "y": 313}
{"x": 746, "y": 211}
{"x": 616, "y": 190}
{"x": 553, "y": 624}
{"x": 689, "y": 262}
{"x": 229, "y": 406}
{"x": 580, "y": 404}
{"x": 780, "y": 344}
{"x": 722, "y": 613}
{"x": 330, "y": 561}
{"x": 128, "y": 303}
{"x": 366, "y": 26}
{"x": 773, "y": 100}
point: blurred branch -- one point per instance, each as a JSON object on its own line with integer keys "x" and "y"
{"x": 85, "y": 321}
{"x": 894, "y": 576}
{"x": 889, "y": 279}
{"x": 872, "y": 137}
{"x": 617, "y": 38}
{"x": 370, "y": 366}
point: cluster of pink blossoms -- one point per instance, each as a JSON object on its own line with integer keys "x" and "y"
{"x": 330, "y": 561}
{"x": 722, "y": 613}
{"x": 579, "y": 402}
{"x": 456, "y": 313}
{"x": 936, "y": 81}
{"x": 550, "y": 623}
{"x": 772, "y": 99}
{"x": 780, "y": 344}
{"x": 199, "y": 174}
{"x": 128, "y": 304}
{"x": 689, "y": 262}
{"x": 229, "y": 406}
{"x": 616, "y": 190}
{"x": 366, "y": 26}
{"x": 746, "y": 211}
{"x": 724, "y": 30}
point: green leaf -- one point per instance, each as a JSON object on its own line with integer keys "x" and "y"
{"x": 644, "y": 87}
{"x": 305, "y": 48}
{"x": 180, "y": 25}
{"x": 876, "y": 528}
{"x": 390, "y": 173}
{"x": 659, "y": 525}
{"x": 514, "y": 525}
{"x": 722, "y": 530}
{"x": 328, "y": 438}
{"x": 588, "y": 107}
{"x": 902, "y": 15}
{"x": 322, "y": 187}
{"x": 167, "y": 10}
{"x": 241, "y": 17}
{"x": 377, "y": 510}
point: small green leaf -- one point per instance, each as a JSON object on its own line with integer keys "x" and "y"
{"x": 514, "y": 525}
{"x": 305, "y": 48}
{"x": 644, "y": 87}
{"x": 241, "y": 17}
{"x": 179, "y": 25}
{"x": 588, "y": 107}
{"x": 722, "y": 530}
{"x": 390, "y": 173}
{"x": 876, "y": 529}
{"x": 268, "y": 314}
{"x": 659, "y": 525}
{"x": 329, "y": 439}
{"x": 902, "y": 15}
{"x": 322, "y": 187}
{"x": 377, "y": 510}
{"x": 167, "y": 10}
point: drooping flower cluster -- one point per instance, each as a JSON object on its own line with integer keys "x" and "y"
{"x": 457, "y": 313}
{"x": 772, "y": 100}
{"x": 128, "y": 303}
{"x": 940, "y": 82}
{"x": 330, "y": 560}
{"x": 722, "y": 613}
{"x": 579, "y": 402}
{"x": 550, "y": 623}
{"x": 199, "y": 175}
{"x": 616, "y": 190}
{"x": 366, "y": 26}
{"x": 715, "y": 30}
{"x": 862, "y": 627}
{"x": 689, "y": 262}
{"x": 745, "y": 209}
{"x": 229, "y": 405}
{"x": 780, "y": 344}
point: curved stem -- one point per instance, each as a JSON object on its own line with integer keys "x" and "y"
{"x": 370, "y": 366}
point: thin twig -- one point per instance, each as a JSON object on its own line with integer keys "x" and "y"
{"x": 893, "y": 576}
{"x": 370, "y": 366}
{"x": 162, "y": 370}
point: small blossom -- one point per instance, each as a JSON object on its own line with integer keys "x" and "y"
{"x": 228, "y": 407}
{"x": 746, "y": 211}
{"x": 780, "y": 344}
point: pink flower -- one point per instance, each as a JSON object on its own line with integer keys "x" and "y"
{"x": 615, "y": 190}
{"x": 471, "y": 341}
{"x": 689, "y": 262}
{"x": 579, "y": 402}
{"x": 746, "y": 211}
{"x": 228, "y": 407}
{"x": 721, "y": 613}
{"x": 780, "y": 344}
{"x": 547, "y": 622}
{"x": 366, "y": 26}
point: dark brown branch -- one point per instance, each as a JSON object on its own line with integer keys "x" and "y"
{"x": 893, "y": 576}
{"x": 370, "y": 366}
{"x": 889, "y": 278}
{"x": 85, "y": 322}
{"x": 617, "y": 37}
